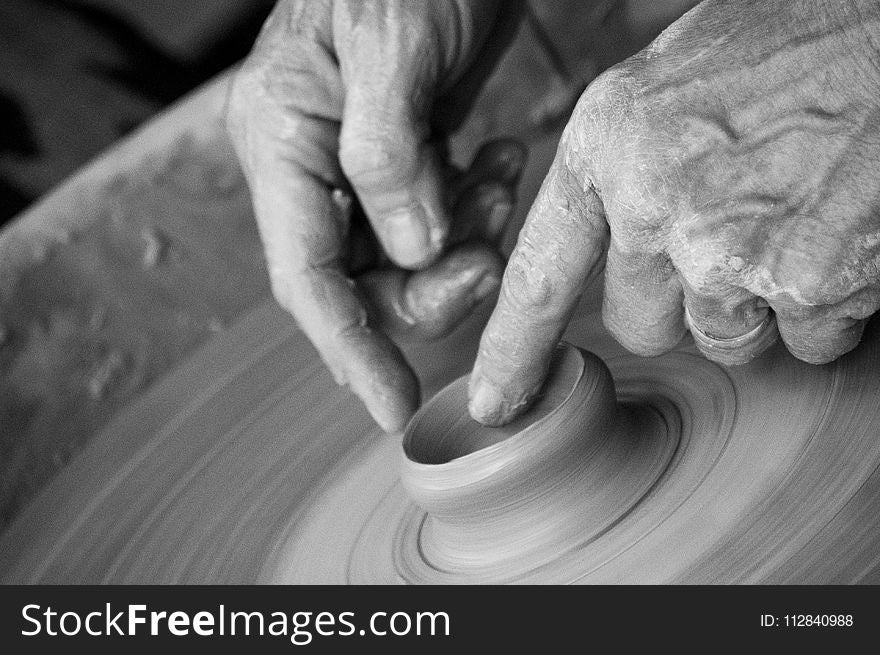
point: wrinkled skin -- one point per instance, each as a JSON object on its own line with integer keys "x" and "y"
{"x": 338, "y": 115}
{"x": 730, "y": 168}
{"x": 727, "y": 169}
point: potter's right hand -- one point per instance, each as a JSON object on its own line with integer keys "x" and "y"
{"x": 342, "y": 103}
{"x": 726, "y": 178}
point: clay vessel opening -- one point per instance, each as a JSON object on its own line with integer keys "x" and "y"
{"x": 443, "y": 431}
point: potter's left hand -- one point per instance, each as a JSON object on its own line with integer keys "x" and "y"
{"x": 727, "y": 178}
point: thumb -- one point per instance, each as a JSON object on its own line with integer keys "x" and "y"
{"x": 397, "y": 177}
{"x": 393, "y": 61}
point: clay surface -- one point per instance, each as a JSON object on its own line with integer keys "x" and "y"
{"x": 249, "y": 464}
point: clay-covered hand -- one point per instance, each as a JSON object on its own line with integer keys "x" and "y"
{"x": 727, "y": 173}
{"x": 336, "y": 117}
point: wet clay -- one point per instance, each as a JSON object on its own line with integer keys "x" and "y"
{"x": 555, "y": 478}
{"x": 249, "y": 464}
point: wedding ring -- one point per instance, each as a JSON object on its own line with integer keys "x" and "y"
{"x": 735, "y": 350}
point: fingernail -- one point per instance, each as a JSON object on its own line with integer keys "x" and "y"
{"x": 512, "y": 161}
{"x": 485, "y": 287}
{"x": 408, "y": 237}
{"x": 486, "y": 403}
{"x": 389, "y": 423}
{"x": 391, "y": 414}
{"x": 498, "y": 216}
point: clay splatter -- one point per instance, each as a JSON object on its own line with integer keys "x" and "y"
{"x": 107, "y": 375}
{"x": 157, "y": 246}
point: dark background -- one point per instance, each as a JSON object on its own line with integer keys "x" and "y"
{"x": 75, "y": 75}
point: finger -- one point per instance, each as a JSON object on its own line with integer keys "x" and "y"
{"x": 390, "y": 75}
{"x": 500, "y": 160}
{"x": 482, "y": 214}
{"x": 559, "y": 248}
{"x": 642, "y": 305}
{"x": 484, "y": 196}
{"x": 429, "y": 304}
{"x": 821, "y": 334}
{"x": 303, "y": 231}
{"x": 731, "y": 326}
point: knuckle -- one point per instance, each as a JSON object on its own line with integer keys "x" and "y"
{"x": 703, "y": 258}
{"x": 862, "y": 304}
{"x": 806, "y": 275}
{"x": 816, "y": 284}
{"x": 377, "y": 158}
{"x": 704, "y": 278}
{"x": 528, "y": 284}
{"x": 611, "y": 89}
{"x": 627, "y": 132}
{"x": 259, "y": 122}
{"x": 638, "y": 342}
{"x": 609, "y": 104}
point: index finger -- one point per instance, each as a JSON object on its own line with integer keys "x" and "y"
{"x": 304, "y": 233}
{"x": 559, "y": 249}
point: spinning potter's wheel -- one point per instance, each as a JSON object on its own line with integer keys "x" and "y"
{"x": 249, "y": 464}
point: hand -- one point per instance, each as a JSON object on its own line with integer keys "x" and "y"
{"x": 347, "y": 98}
{"x": 729, "y": 169}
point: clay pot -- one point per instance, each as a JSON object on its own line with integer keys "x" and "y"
{"x": 511, "y": 498}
